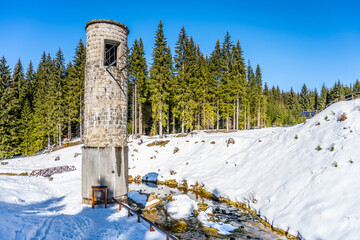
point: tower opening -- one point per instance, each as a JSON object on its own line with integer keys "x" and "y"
{"x": 110, "y": 56}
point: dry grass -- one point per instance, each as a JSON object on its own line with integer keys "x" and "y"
{"x": 220, "y": 131}
{"x": 343, "y": 117}
{"x": 160, "y": 143}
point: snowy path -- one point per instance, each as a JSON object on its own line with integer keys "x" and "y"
{"x": 36, "y": 208}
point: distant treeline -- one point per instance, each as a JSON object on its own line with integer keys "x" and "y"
{"x": 176, "y": 94}
{"x": 187, "y": 90}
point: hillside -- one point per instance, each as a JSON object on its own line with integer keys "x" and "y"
{"x": 303, "y": 179}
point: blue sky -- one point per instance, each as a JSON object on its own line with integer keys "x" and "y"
{"x": 294, "y": 42}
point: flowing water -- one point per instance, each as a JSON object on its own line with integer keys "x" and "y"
{"x": 247, "y": 226}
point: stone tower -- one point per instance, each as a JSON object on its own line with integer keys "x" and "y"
{"x": 105, "y": 152}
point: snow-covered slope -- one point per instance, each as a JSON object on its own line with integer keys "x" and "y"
{"x": 36, "y": 208}
{"x": 279, "y": 172}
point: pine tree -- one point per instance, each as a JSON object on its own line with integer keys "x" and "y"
{"x": 260, "y": 103}
{"x": 323, "y": 96}
{"x": 356, "y": 86}
{"x": 79, "y": 66}
{"x": 5, "y": 135}
{"x": 226, "y": 94}
{"x": 43, "y": 104}
{"x": 139, "y": 77}
{"x": 58, "y": 72}
{"x": 304, "y": 99}
{"x": 215, "y": 76}
{"x": 160, "y": 74}
{"x": 71, "y": 99}
{"x": 238, "y": 75}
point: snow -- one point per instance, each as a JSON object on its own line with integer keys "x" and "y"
{"x": 312, "y": 194}
{"x": 36, "y": 208}
{"x": 223, "y": 228}
{"x": 141, "y": 198}
{"x": 181, "y": 207}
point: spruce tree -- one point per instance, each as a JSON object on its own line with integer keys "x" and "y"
{"x": 139, "y": 77}
{"x": 5, "y": 135}
{"x": 304, "y": 99}
{"x": 215, "y": 76}
{"x": 71, "y": 99}
{"x": 160, "y": 74}
{"x": 79, "y": 66}
{"x": 238, "y": 75}
{"x": 226, "y": 94}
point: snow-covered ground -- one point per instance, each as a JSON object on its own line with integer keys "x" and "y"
{"x": 36, "y": 208}
{"x": 279, "y": 172}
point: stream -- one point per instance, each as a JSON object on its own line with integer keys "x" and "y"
{"x": 243, "y": 224}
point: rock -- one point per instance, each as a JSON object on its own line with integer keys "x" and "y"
{"x": 76, "y": 154}
{"x": 230, "y": 141}
{"x": 4, "y": 163}
{"x": 135, "y": 150}
{"x": 57, "y": 158}
{"x": 212, "y": 142}
{"x": 176, "y": 149}
{"x": 172, "y": 172}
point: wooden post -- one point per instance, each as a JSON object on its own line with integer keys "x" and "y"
{"x": 92, "y": 199}
{"x": 151, "y": 228}
{"x": 105, "y": 197}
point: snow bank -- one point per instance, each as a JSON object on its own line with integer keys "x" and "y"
{"x": 181, "y": 207}
{"x": 277, "y": 171}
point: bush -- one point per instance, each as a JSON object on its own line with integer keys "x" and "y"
{"x": 318, "y": 148}
{"x": 332, "y": 148}
{"x": 296, "y": 136}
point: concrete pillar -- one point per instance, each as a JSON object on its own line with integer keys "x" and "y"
{"x": 105, "y": 152}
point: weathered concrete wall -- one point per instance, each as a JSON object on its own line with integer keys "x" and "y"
{"x": 105, "y": 166}
{"x": 104, "y": 157}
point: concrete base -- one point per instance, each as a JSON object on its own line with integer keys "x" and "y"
{"x": 105, "y": 166}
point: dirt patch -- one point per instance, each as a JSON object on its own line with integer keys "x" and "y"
{"x": 160, "y": 143}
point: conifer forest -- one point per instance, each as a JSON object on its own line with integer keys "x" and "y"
{"x": 181, "y": 90}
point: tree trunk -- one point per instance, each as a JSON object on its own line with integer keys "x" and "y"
{"x": 258, "y": 118}
{"x": 237, "y": 112}
{"x": 69, "y": 129}
{"x": 135, "y": 111}
{"x": 227, "y": 123}
{"x": 245, "y": 118}
{"x": 160, "y": 124}
{"x": 168, "y": 122}
{"x": 182, "y": 122}
{"x": 60, "y": 140}
{"x": 132, "y": 115}
{"x": 48, "y": 143}
{"x": 234, "y": 116}
{"x": 140, "y": 120}
{"x": 217, "y": 116}
{"x": 173, "y": 123}
{"x": 81, "y": 120}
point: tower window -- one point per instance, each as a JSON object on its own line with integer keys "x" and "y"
{"x": 110, "y": 53}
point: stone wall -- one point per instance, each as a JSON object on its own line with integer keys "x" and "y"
{"x": 105, "y": 112}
